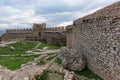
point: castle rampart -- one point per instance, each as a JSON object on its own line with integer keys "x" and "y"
{"x": 38, "y": 32}
{"x": 62, "y": 28}
{"x": 96, "y": 38}
{"x": 19, "y": 30}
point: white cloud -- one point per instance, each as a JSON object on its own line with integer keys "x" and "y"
{"x": 13, "y": 17}
{"x": 65, "y": 23}
{"x": 22, "y": 13}
{"x": 73, "y": 2}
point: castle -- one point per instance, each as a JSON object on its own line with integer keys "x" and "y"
{"x": 39, "y": 32}
{"x": 92, "y": 41}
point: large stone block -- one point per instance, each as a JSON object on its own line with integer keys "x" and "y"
{"x": 69, "y": 61}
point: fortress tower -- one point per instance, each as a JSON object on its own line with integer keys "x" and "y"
{"x": 39, "y": 27}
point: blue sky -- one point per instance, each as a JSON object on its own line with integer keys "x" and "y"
{"x": 23, "y": 13}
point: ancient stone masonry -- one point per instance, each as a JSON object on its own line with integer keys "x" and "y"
{"x": 69, "y": 36}
{"x": 39, "y": 32}
{"x": 96, "y": 38}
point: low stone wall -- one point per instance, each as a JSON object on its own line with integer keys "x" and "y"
{"x": 96, "y": 37}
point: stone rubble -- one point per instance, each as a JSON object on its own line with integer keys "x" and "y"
{"x": 28, "y": 71}
{"x": 69, "y": 75}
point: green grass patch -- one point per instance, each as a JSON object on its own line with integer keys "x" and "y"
{"x": 14, "y": 63}
{"x": 19, "y": 48}
{"x": 44, "y": 76}
{"x": 58, "y": 61}
{"x": 49, "y": 75}
{"x": 51, "y": 46}
{"x": 88, "y": 73}
{"x": 41, "y": 62}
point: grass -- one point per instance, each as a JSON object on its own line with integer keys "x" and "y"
{"x": 58, "y": 61}
{"x": 51, "y": 46}
{"x": 88, "y": 73}
{"x": 20, "y": 48}
{"x": 41, "y": 62}
{"x": 14, "y": 63}
{"x": 44, "y": 76}
{"x": 49, "y": 74}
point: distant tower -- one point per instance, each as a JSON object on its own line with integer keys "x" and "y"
{"x": 39, "y": 29}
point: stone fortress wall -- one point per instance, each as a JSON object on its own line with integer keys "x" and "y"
{"x": 94, "y": 41}
{"x": 39, "y": 32}
{"x": 27, "y": 30}
{"x": 96, "y": 38}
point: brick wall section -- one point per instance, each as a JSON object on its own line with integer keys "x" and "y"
{"x": 97, "y": 37}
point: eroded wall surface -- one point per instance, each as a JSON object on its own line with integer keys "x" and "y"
{"x": 97, "y": 37}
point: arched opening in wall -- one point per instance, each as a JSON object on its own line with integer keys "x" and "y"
{"x": 39, "y": 34}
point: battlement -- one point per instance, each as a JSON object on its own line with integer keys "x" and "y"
{"x": 19, "y": 30}
{"x": 39, "y": 26}
{"x": 53, "y": 29}
{"x": 27, "y": 30}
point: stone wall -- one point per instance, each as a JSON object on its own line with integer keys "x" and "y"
{"x": 55, "y": 38}
{"x": 69, "y": 36}
{"x": 14, "y": 36}
{"x": 39, "y": 32}
{"x": 97, "y": 38}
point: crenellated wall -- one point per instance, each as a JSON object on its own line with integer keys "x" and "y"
{"x": 61, "y": 28}
{"x": 24, "y": 34}
{"x": 19, "y": 30}
{"x": 39, "y": 32}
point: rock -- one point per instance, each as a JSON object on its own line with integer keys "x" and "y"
{"x": 4, "y": 73}
{"x": 34, "y": 64}
{"x": 69, "y": 75}
{"x": 11, "y": 47}
{"x": 29, "y": 51}
{"x": 23, "y": 65}
{"x": 38, "y": 50}
{"x": 71, "y": 59}
{"x": 26, "y": 78}
{"x": 29, "y": 63}
{"x": 36, "y": 59}
{"x": 0, "y": 78}
{"x": 46, "y": 48}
